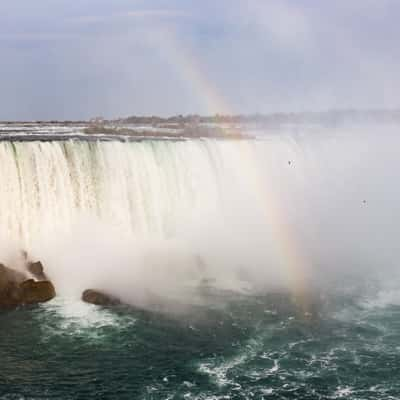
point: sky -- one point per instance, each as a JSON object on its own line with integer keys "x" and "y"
{"x": 63, "y": 59}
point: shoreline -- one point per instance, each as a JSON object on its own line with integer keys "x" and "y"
{"x": 108, "y": 132}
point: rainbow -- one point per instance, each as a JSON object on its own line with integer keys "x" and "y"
{"x": 286, "y": 244}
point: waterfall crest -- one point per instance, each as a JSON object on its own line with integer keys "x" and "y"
{"x": 260, "y": 211}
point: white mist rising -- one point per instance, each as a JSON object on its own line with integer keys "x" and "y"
{"x": 149, "y": 221}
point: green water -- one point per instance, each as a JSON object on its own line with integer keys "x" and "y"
{"x": 247, "y": 347}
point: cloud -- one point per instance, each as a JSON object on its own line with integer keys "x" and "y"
{"x": 80, "y": 59}
{"x": 138, "y": 14}
{"x": 282, "y": 22}
{"x": 167, "y": 13}
{"x": 37, "y": 36}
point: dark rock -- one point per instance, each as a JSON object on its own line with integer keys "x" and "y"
{"x": 15, "y": 290}
{"x": 10, "y": 291}
{"x": 36, "y": 269}
{"x": 24, "y": 254}
{"x": 10, "y": 296}
{"x": 99, "y": 298}
{"x": 34, "y": 292}
{"x": 10, "y": 275}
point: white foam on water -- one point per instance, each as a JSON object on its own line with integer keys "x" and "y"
{"x": 147, "y": 219}
{"x": 342, "y": 392}
{"x": 66, "y": 316}
{"x": 219, "y": 371}
{"x": 384, "y": 298}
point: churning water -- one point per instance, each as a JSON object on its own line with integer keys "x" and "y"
{"x": 251, "y": 269}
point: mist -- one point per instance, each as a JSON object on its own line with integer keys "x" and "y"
{"x": 199, "y": 199}
{"x": 296, "y": 212}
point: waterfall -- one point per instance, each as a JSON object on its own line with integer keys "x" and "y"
{"x": 141, "y": 187}
{"x": 262, "y": 210}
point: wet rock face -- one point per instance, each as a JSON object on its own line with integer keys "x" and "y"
{"x": 37, "y": 270}
{"x": 17, "y": 290}
{"x": 10, "y": 292}
{"x": 10, "y": 296}
{"x": 10, "y": 275}
{"x": 99, "y": 298}
{"x": 34, "y": 292}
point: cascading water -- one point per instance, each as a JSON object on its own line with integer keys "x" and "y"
{"x": 276, "y": 211}
{"x": 229, "y": 236}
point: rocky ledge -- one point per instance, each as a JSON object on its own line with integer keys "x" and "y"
{"x": 32, "y": 286}
{"x": 18, "y": 288}
{"x": 99, "y": 298}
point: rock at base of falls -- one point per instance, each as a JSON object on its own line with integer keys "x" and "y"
{"x": 8, "y": 275}
{"x": 16, "y": 290}
{"x": 37, "y": 270}
{"x": 34, "y": 292}
{"x": 99, "y": 298}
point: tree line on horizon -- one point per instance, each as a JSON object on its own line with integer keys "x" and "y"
{"x": 319, "y": 117}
